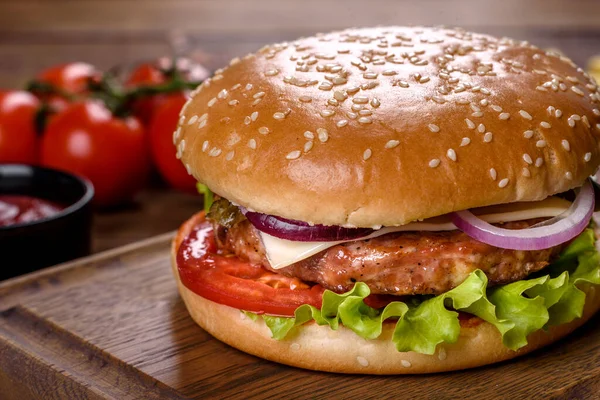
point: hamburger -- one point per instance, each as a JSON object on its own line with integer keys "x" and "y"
{"x": 392, "y": 200}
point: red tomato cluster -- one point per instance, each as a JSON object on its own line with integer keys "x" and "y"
{"x": 74, "y": 119}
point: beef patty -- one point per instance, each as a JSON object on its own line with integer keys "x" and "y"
{"x": 402, "y": 263}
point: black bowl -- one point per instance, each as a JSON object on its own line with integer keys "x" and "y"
{"x": 61, "y": 237}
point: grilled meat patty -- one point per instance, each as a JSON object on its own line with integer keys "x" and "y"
{"x": 402, "y": 263}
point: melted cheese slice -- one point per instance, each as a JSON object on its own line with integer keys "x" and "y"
{"x": 282, "y": 253}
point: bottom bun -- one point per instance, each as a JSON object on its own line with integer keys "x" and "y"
{"x": 320, "y": 348}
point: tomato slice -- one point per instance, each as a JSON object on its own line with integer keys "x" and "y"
{"x": 230, "y": 281}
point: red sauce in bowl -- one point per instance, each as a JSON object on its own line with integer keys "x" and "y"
{"x": 21, "y": 209}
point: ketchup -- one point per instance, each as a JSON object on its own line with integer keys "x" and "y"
{"x": 20, "y": 209}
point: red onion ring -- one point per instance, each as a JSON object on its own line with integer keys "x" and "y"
{"x": 301, "y": 231}
{"x": 558, "y": 230}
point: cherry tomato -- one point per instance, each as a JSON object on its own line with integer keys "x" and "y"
{"x": 18, "y": 139}
{"x": 112, "y": 153}
{"x": 160, "y": 131}
{"x": 158, "y": 73}
{"x": 235, "y": 283}
{"x": 71, "y": 78}
{"x": 146, "y": 75}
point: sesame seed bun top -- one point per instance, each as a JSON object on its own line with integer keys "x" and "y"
{"x": 384, "y": 126}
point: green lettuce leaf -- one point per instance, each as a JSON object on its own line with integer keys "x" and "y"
{"x": 516, "y": 309}
{"x": 208, "y": 195}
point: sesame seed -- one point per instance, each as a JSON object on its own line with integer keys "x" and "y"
{"x": 565, "y": 144}
{"x": 525, "y": 115}
{"x": 424, "y": 79}
{"x": 252, "y": 143}
{"x": 598, "y": 126}
{"x": 205, "y": 146}
{"x": 558, "y": 113}
{"x": 541, "y": 89}
{"x": 230, "y": 155}
{"x": 370, "y": 75}
{"x": 403, "y": 84}
{"x": 391, "y": 144}
{"x": 214, "y": 152}
{"x": 258, "y": 95}
{"x": 212, "y": 102}
{"x": 504, "y": 116}
{"x": 475, "y": 108}
{"x": 295, "y": 346}
{"x": 176, "y": 135}
{"x": 451, "y": 154}
{"x": 305, "y": 99}
{"x": 540, "y": 143}
{"x": 470, "y": 123}
{"x": 485, "y": 91}
{"x": 307, "y": 146}
{"x": 360, "y": 100}
{"x": 338, "y": 80}
{"x": 255, "y": 102}
{"x": 333, "y": 102}
{"x": 442, "y": 354}
{"x": 568, "y": 175}
{"x": 578, "y": 91}
{"x": 248, "y": 87}
{"x": 571, "y": 122}
{"x": 309, "y": 135}
{"x": 596, "y": 112}
{"x": 527, "y": 158}
{"x": 434, "y": 128}
{"x": 493, "y": 173}
{"x": 484, "y": 102}
{"x": 365, "y": 120}
{"x": 488, "y": 137}
{"x": 279, "y": 115}
{"x": 477, "y": 114}
{"x": 503, "y": 183}
{"x": 405, "y": 363}
{"x": 550, "y": 110}
{"x": 356, "y": 107}
{"x": 340, "y": 95}
{"x": 545, "y": 124}
{"x": 325, "y": 86}
{"x": 236, "y": 87}
{"x": 233, "y": 102}
{"x": 202, "y": 124}
{"x": 362, "y": 361}
{"x": 465, "y": 141}
{"x": 496, "y": 108}
{"x": 367, "y": 154}
{"x": 323, "y": 135}
{"x": 352, "y": 89}
{"x": 462, "y": 102}
{"x": 293, "y": 155}
{"x": 193, "y": 119}
{"x": 223, "y": 94}
{"x": 526, "y": 172}
{"x": 341, "y": 123}
{"x": 375, "y": 102}
{"x": 539, "y": 161}
{"x": 587, "y": 157}
{"x": 271, "y": 72}
{"x": 352, "y": 115}
{"x": 254, "y": 115}
{"x": 585, "y": 121}
{"x": 327, "y": 113}
{"x": 247, "y": 120}
{"x": 263, "y": 130}
{"x": 434, "y": 163}
{"x": 481, "y": 128}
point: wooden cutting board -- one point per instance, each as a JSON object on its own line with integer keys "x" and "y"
{"x": 113, "y": 326}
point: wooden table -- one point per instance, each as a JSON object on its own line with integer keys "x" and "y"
{"x": 39, "y": 33}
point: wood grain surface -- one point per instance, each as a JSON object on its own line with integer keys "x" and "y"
{"x": 113, "y": 326}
